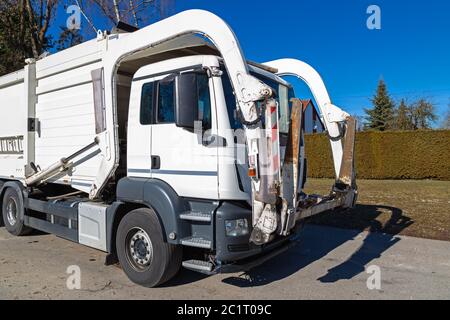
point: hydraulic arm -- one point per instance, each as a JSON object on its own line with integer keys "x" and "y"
{"x": 340, "y": 127}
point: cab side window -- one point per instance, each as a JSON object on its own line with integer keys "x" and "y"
{"x": 147, "y": 102}
{"x": 166, "y": 100}
{"x": 204, "y": 101}
{"x": 158, "y": 101}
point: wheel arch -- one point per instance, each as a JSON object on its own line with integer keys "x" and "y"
{"x": 115, "y": 214}
{"x": 135, "y": 193}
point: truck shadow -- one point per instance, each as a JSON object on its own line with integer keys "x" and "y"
{"x": 184, "y": 277}
{"x": 316, "y": 242}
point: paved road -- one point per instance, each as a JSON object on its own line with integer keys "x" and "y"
{"x": 329, "y": 263}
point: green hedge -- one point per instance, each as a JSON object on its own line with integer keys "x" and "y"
{"x": 387, "y": 155}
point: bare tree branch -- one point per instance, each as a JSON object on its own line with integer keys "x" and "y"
{"x": 116, "y": 10}
{"x": 32, "y": 23}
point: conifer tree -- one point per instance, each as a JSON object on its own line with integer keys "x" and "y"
{"x": 381, "y": 116}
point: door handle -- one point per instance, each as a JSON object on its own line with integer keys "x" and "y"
{"x": 156, "y": 162}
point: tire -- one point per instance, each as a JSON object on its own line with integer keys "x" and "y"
{"x": 144, "y": 256}
{"x": 13, "y": 213}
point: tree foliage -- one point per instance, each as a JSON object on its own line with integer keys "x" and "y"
{"x": 39, "y": 15}
{"x": 134, "y": 12}
{"x": 403, "y": 119}
{"x": 420, "y": 154}
{"x": 445, "y": 120}
{"x": 13, "y": 45}
{"x": 68, "y": 38}
{"x": 380, "y": 117}
{"x": 419, "y": 115}
{"x": 422, "y": 114}
{"x": 24, "y": 26}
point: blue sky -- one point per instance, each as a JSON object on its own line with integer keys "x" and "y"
{"x": 411, "y": 52}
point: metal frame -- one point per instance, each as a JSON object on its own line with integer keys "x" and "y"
{"x": 56, "y": 229}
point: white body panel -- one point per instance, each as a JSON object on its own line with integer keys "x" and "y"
{"x": 57, "y": 91}
{"x": 228, "y": 179}
{"x": 65, "y": 111}
{"x": 92, "y": 225}
{"x": 13, "y": 117}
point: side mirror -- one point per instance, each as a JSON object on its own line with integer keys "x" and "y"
{"x": 186, "y": 110}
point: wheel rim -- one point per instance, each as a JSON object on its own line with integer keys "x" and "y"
{"x": 11, "y": 211}
{"x": 139, "y": 249}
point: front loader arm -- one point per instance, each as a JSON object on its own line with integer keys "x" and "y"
{"x": 333, "y": 117}
{"x": 341, "y": 129}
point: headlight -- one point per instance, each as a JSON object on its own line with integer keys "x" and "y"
{"x": 236, "y": 228}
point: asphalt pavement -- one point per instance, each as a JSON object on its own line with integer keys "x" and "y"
{"x": 328, "y": 263}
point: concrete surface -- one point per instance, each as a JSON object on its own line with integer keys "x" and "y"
{"x": 329, "y": 263}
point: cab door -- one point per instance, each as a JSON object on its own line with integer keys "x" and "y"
{"x": 140, "y": 117}
{"x": 184, "y": 158}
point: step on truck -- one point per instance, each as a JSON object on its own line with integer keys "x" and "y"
{"x": 165, "y": 147}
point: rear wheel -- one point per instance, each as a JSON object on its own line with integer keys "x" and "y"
{"x": 13, "y": 213}
{"x": 144, "y": 256}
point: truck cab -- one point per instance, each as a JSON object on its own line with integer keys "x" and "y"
{"x": 206, "y": 157}
{"x": 184, "y": 135}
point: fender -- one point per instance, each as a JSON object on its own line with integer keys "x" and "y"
{"x": 159, "y": 196}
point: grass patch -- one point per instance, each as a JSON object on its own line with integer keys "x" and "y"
{"x": 407, "y": 207}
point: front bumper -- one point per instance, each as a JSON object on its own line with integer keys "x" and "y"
{"x": 271, "y": 251}
{"x": 234, "y": 254}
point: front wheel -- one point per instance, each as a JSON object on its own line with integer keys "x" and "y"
{"x": 144, "y": 256}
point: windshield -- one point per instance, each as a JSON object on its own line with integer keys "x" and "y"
{"x": 283, "y": 94}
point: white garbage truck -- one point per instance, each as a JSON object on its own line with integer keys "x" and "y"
{"x": 165, "y": 147}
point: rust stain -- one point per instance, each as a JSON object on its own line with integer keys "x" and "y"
{"x": 293, "y": 143}
{"x": 346, "y": 173}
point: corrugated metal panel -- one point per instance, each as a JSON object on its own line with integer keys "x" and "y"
{"x": 75, "y": 57}
{"x": 65, "y": 109}
{"x": 11, "y": 79}
{"x": 66, "y": 79}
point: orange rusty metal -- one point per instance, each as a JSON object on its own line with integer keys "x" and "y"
{"x": 346, "y": 173}
{"x": 293, "y": 144}
{"x": 291, "y": 165}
